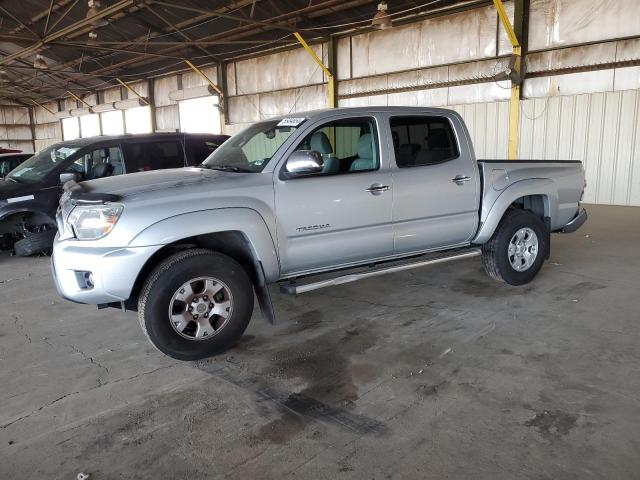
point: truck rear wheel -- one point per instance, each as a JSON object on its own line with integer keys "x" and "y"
{"x": 516, "y": 251}
{"x": 195, "y": 304}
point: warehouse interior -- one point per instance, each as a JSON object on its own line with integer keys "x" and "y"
{"x": 429, "y": 373}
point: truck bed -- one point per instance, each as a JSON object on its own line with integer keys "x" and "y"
{"x": 560, "y": 182}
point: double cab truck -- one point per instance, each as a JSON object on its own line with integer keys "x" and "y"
{"x": 308, "y": 201}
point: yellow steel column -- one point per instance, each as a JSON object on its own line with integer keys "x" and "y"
{"x": 330, "y": 77}
{"x": 514, "y": 104}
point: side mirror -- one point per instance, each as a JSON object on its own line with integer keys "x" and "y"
{"x": 68, "y": 177}
{"x": 304, "y": 162}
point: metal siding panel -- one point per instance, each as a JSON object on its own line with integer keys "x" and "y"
{"x": 634, "y": 181}
{"x": 625, "y": 140}
{"x": 503, "y": 130}
{"x": 491, "y": 135}
{"x": 579, "y": 126}
{"x": 539, "y": 127}
{"x": 565, "y": 127}
{"x": 593, "y": 145}
{"x": 608, "y": 148}
{"x": 552, "y": 121}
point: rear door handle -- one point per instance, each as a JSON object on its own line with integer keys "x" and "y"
{"x": 460, "y": 179}
{"x": 378, "y": 188}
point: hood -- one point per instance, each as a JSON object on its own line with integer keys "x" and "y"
{"x": 136, "y": 183}
{"x": 13, "y": 189}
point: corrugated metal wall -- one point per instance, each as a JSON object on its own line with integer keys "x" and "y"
{"x": 15, "y": 128}
{"x": 600, "y": 129}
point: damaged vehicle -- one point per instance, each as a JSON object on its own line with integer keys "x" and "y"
{"x": 308, "y": 201}
{"x": 29, "y": 193}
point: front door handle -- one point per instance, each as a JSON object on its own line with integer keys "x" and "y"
{"x": 378, "y": 188}
{"x": 460, "y": 179}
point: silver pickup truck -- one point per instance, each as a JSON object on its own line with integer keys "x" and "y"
{"x": 307, "y": 200}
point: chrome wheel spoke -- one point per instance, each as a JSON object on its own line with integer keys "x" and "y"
{"x": 195, "y": 314}
{"x": 204, "y": 328}
{"x": 180, "y": 321}
{"x": 212, "y": 288}
{"x": 185, "y": 293}
{"x": 222, "y": 309}
{"x": 522, "y": 250}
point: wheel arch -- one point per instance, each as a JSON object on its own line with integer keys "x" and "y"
{"x": 537, "y": 195}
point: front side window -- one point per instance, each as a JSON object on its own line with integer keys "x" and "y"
{"x": 99, "y": 163}
{"x": 419, "y": 141}
{"x": 252, "y": 149}
{"x": 41, "y": 164}
{"x": 346, "y": 145}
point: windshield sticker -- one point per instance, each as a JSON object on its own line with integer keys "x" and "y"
{"x": 20, "y": 199}
{"x": 291, "y": 122}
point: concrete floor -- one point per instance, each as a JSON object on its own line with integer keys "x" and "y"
{"x": 434, "y": 373}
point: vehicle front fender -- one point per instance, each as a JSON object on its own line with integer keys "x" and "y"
{"x": 204, "y": 222}
{"x": 496, "y": 203}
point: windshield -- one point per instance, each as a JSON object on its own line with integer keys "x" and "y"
{"x": 38, "y": 167}
{"x": 251, "y": 149}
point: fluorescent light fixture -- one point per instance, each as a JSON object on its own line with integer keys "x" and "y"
{"x": 104, "y": 107}
{"x": 80, "y": 112}
{"x": 189, "y": 93}
{"x": 128, "y": 104}
{"x": 63, "y": 114}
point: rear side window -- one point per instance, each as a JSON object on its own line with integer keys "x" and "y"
{"x": 143, "y": 157}
{"x": 420, "y": 141}
{"x": 198, "y": 149}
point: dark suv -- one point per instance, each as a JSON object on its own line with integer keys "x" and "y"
{"x": 29, "y": 194}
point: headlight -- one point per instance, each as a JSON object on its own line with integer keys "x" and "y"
{"x": 94, "y": 222}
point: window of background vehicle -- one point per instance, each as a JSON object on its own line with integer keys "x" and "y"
{"x": 419, "y": 141}
{"x": 347, "y": 146}
{"x": 101, "y": 162}
{"x": 90, "y": 125}
{"x": 142, "y": 157}
{"x": 70, "y": 128}
{"x": 112, "y": 122}
{"x": 41, "y": 164}
{"x": 198, "y": 149}
{"x": 200, "y": 115}
{"x": 138, "y": 120}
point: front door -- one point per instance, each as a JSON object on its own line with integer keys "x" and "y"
{"x": 436, "y": 185}
{"x": 341, "y": 215}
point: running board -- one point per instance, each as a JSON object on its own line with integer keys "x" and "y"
{"x": 293, "y": 287}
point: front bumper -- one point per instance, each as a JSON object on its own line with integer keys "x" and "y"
{"x": 576, "y": 223}
{"x": 112, "y": 271}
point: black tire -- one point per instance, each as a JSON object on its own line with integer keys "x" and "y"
{"x": 495, "y": 256}
{"x": 35, "y": 243}
{"x": 165, "y": 280}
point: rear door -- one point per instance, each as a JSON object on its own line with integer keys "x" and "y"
{"x": 341, "y": 215}
{"x": 153, "y": 155}
{"x": 436, "y": 183}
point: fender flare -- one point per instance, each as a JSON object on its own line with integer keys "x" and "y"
{"x": 205, "y": 222}
{"x": 8, "y": 212}
{"x": 492, "y": 214}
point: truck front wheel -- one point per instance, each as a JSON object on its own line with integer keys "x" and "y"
{"x": 516, "y": 251}
{"x": 195, "y": 304}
